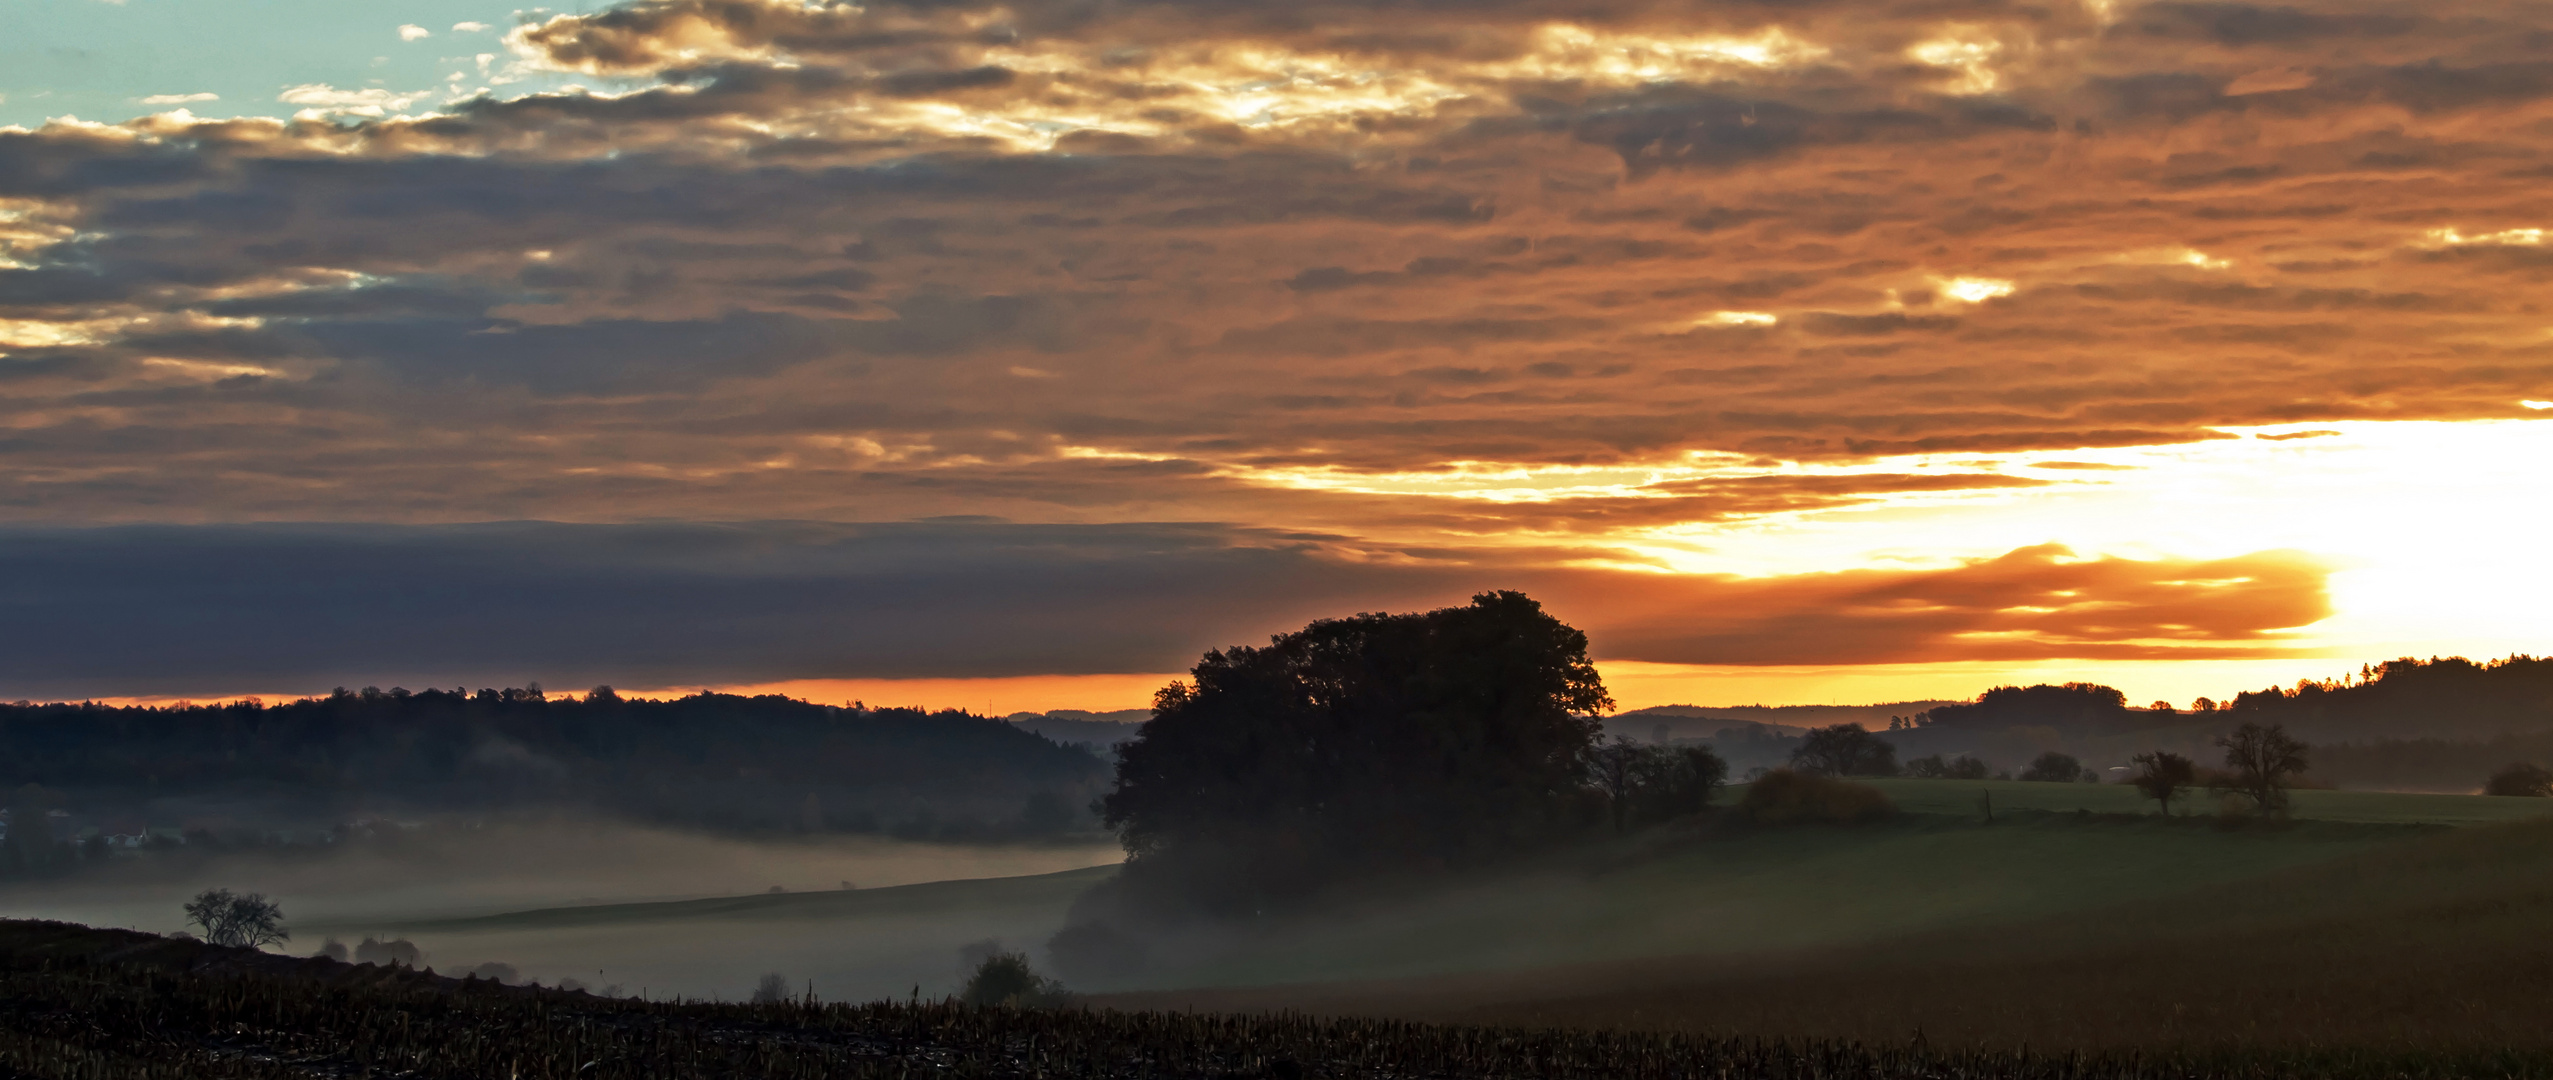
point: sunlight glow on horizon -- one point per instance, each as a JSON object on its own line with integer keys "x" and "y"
{"x": 2434, "y": 530}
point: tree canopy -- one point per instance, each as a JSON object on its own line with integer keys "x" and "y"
{"x": 2085, "y": 706}
{"x": 1357, "y": 743}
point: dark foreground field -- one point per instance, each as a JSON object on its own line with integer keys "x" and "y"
{"x": 107, "y": 1004}
{"x": 2433, "y": 939}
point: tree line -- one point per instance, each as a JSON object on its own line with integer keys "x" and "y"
{"x": 2439, "y": 698}
{"x": 2262, "y": 762}
{"x": 715, "y": 761}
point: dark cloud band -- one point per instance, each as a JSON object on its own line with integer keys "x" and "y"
{"x": 170, "y": 609}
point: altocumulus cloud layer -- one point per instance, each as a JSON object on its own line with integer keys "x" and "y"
{"x": 1460, "y": 294}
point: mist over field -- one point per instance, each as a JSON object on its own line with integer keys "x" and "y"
{"x": 415, "y": 884}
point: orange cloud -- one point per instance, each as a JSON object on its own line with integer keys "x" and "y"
{"x": 1524, "y": 289}
{"x": 2032, "y": 604}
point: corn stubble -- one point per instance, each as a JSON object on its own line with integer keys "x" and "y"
{"x": 95, "y": 1017}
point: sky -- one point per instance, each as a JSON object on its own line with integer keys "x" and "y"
{"x": 1009, "y": 356}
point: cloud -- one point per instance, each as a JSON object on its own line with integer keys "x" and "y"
{"x": 470, "y": 28}
{"x": 173, "y": 609}
{"x": 323, "y": 99}
{"x": 2031, "y": 604}
{"x": 180, "y": 99}
{"x": 413, "y": 32}
{"x": 1559, "y": 268}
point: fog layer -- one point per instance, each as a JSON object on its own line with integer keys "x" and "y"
{"x": 430, "y": 875}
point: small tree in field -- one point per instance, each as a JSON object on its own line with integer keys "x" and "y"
{"x": 227, "y": 918}
{"x": 2162, "y": 776}
{"x": 1618, "y": 769}
{"x": 2261, "y": 761}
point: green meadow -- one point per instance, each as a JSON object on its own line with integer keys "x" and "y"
{"x": 1958, "y": 798}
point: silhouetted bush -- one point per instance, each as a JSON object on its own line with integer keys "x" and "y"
{"x": 771, "y": 989}
{"x": 1785, "y": 797}
{"x": 1932, "y": 767}
{"x": 1844, "y": 750}
{"x": 2521, "y": 778}
{"x": 2053, "y": 767}
{"x": 1004, "y": 979}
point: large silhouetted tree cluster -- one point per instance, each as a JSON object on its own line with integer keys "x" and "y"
{"x": 1361, "y": 744}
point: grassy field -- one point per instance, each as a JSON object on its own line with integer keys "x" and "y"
{"x": 1716, "y": 919}
{"x": 853, "y": 944}
{"x": 934, "y": 898}
{"x": 2431, "y": 938}
{"x": 1763, "y": 891}
{"x": 1963, "y": 798}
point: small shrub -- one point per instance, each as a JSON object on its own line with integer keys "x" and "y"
{"x": 2054, "y": 768}
{"x": 771, "y": 989}
{"x": 1932, "y": 767}
{"x": 1784, "y": 797}
{"x": 2523, "y": 778}
{"x": 1005, "y": 980}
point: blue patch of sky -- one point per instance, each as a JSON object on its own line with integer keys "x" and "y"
{"x": 105, "y": 61}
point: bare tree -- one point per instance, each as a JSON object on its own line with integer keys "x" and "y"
{"x": 2163, "y": 776}
{"x": 227, "y": 918}
{"x": 2262, "y": 760}
{"x": 1617, "y": 770}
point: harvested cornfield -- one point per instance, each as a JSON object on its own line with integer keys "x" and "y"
{"x": 111, "y": 1005}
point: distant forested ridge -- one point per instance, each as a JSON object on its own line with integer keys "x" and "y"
{"x": 2450, "y": 698}
{"x": 714, "y": 761}
{"x": 2084, "y": 707}
{"x": 1098, "y": 730}
{"x": 2442, "y": 724}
